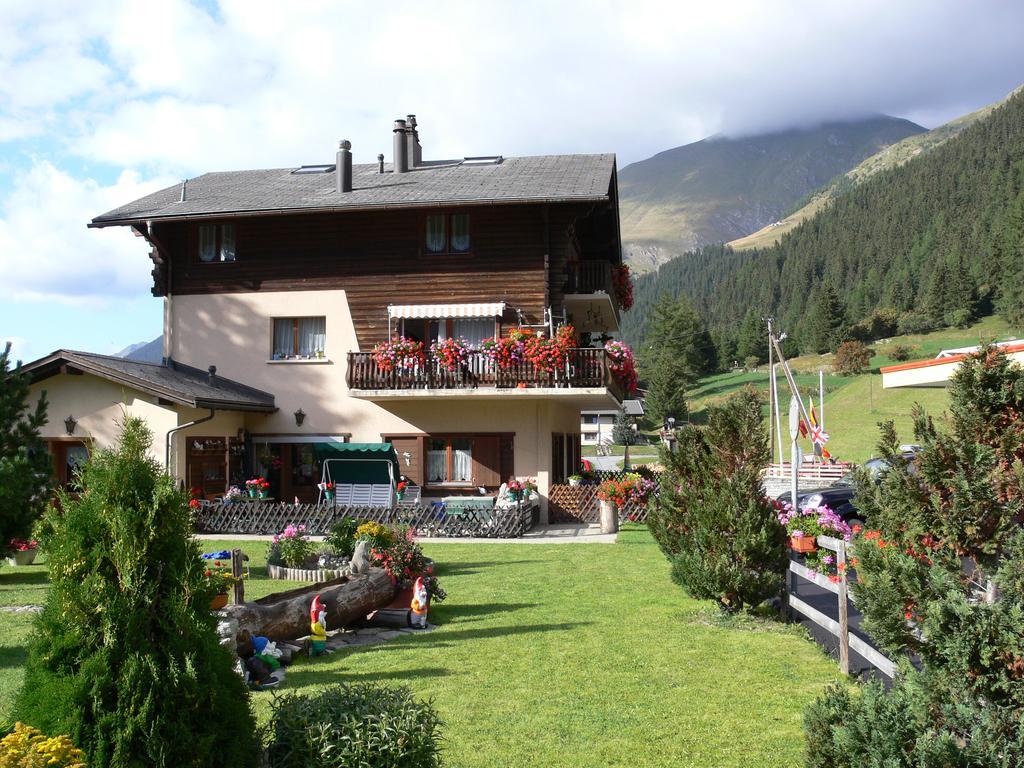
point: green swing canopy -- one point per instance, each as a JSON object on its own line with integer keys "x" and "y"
{"x": 360, "y": 463}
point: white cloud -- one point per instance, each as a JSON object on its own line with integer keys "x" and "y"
{"x": 46, "y": 252}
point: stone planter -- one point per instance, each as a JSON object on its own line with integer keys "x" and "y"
{"x": 609, "y": 517}
{"x": 305, "y": 574}
{"x": 23, "y": 557}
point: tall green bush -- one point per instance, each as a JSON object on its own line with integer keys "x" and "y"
{"x": 24, "y": 461}
{"x": 712, "y": 519}
{"x": 125, "y": 657}
{"x": 941, "y": 576}
{"x": 371, "y": 726}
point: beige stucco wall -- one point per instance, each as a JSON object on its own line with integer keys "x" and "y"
{"x": 234, "y": 332}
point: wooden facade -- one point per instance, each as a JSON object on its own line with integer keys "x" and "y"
{"x": 521, "y": 254}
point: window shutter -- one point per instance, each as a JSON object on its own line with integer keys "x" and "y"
{"x": 486, "y": 461}
{"x": 410, "y": 445}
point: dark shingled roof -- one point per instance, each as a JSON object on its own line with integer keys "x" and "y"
{"x": 546, "y": 178}
{"x": 176, "y": 382}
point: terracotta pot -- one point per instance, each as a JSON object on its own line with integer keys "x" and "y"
{"x": 803, "y": 543}
{"x": 218, "y": 602}
{"x": 521, "y": 385}
{"x": 23, "y": 557}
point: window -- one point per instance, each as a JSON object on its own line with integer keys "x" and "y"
{"x": 473, "y": 329}
{"x": 447, "y": 233}
{"x": 299, "y": 338}
{"x": 216, "y": 243}
{"x": 450, "y": 461}
{"x": 590, "y": 418}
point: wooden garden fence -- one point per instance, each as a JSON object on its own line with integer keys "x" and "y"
{"x": 254, "y": 517}
{"x": 579, "y": 503}
{"x": 841, "y": 628}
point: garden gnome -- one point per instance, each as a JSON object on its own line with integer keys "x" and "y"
{"x": 317, "y": 627}
{"x": 420, "y": 605}
{"x": 361, "y": 558}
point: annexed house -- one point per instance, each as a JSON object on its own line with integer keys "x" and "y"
{"x": 285, "y": 279}
{"x": 937, "y": 371}
{"x": 597, "y": 427}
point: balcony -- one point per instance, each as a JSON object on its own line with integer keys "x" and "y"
{"x": 585, "y": 377}
{"x": 589, "y": 296}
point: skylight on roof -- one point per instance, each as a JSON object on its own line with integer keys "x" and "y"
{"x": 314, "y": 169}
{"x": 483, "y": 160}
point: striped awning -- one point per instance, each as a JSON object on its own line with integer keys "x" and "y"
{"x": 446, "y": 310}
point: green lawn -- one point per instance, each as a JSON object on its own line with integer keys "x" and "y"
{"x": 566, "y": 655}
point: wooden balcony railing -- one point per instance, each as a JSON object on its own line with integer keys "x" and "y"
{"x": 589, "y": 277}
{"x": 583, "y": 367}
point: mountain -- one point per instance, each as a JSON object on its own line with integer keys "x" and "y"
{"x": 720, "y": 188}
{"x": 144, "y": 351}
{"x": 932, "y": 241}
{"x": 890, "y": 157}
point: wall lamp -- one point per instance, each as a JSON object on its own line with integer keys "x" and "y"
{"x": 300, "y": 416}
{"x": 70, "y": 424}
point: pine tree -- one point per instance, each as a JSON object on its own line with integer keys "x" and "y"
{"x": 712, "y": 519}
{"x": 942, "y": 577}
{"x": 825, "y": 319}
{"x": 753, "y": 338}
{"x": 125, "y": 657}
{"x": 24, "y": 461}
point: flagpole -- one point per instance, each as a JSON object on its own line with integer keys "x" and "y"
{"x": 821, "y": 396}
{"x": 771, "y": 397}
{"x": 778, "y": 417}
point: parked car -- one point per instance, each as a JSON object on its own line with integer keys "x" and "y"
{"x": 839, "y": 497}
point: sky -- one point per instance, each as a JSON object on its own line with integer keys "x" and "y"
{"x": 105, "y": 101}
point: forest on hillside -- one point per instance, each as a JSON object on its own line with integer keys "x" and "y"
{"x": 938, "y": 241}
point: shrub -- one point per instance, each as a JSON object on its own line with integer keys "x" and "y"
{"x": 711, "y": 518}
{"x": 349, "y": 725}
{"x": 125, "y": 654}
{"x": 958, "y": 318}
{"x": 901, "y": 352}
{"x": 851, "y": 358}
{"x": 27, "y": 747}
{"x": 914, "y": 322}
{"x": 378, "y": 535}
{"x": 750, "y": 362}
{"x": 294, "y": 546}
{"x": 404, "y": 560}
{"x": 342, "y": 537}
{"x": 941, "y": 576}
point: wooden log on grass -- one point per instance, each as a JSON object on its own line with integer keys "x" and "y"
{"x": 285, "y": 615}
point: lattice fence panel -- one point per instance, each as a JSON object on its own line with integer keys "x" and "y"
{"x": 579, "y": 504}
{"x": 267, "y": 518}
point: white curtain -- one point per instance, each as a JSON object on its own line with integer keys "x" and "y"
{"x": 436, "y": 238}
{"x": 207, "y": 242}
{"x": 227, "y": 242}
{"x": 312, "y": 335}
{"x": 284, "y": 337}
{"x": 473, "y": 329}
{"x": 462, "y": 461}
{"x": 460, "y": 232}
{"x": 437, "y": 462}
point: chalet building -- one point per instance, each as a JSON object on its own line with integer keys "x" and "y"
{"x": 277, "y": 284}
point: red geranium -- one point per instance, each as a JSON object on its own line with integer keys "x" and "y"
{"x": 622, "y": 283}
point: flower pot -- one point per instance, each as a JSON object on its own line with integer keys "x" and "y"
{"x": 329, "y": 495}
{"x": 252, "y": 493}
{"x": 803, "y": 543}
{"x": 609, "y": 517}
{"x": 521, "y": 385}
{"x": 575, "y": 482}
{"x": 264, "y": 494}
{"x": 22, "y": 557}
{"x": 219, "y": 601}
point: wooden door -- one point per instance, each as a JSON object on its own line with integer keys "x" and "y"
{"x": 487, "y": 461}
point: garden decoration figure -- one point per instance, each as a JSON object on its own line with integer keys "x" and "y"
{"x": 317, "y": 627}
{"x": 361, "y": 558}
{"x": 420, "y": 604}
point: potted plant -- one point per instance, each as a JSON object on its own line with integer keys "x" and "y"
{"x": 400, "y": 489}
{"x": 22, "y": 551}
{"x": 258, "y": 487}
{"x": 450, "y": 354}
{"x": 622, "y": 365}
{"x": 404, "y": 560}
{"x": 399, "y": 354}
{"x": 616, "y": 494}
{"x": 515, "y": 489}
{"x": 328, "y": 490}
{"x": 233, "y": 494}
{"x": 575, "y": 480}
{"x": 804, "y": 526}
{"x": 218, "y": 580}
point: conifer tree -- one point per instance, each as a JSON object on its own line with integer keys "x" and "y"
{"x": 125, "y": 657}
{"x": 24, "y": 461}
{"x": 825, "y": 319}
{"x": 753, "y": 338}
{"x": 712, "y": 519}
{"x": 941, "y": 576}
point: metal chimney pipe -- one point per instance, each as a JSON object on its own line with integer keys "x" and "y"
{"x": 380, "y": 163}
{"x": 413, "y": 140}
{"x": 401, "y": 161}
{"x": 211, "y": 374}
{"x": 343, "y": 167}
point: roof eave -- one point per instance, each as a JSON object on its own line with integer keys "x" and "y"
{"x": 99, "y": 222}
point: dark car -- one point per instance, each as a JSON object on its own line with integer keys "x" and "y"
{"x": 839, "y": 497}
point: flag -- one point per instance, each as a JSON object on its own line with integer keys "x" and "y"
{"x": 818, "y": 435}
